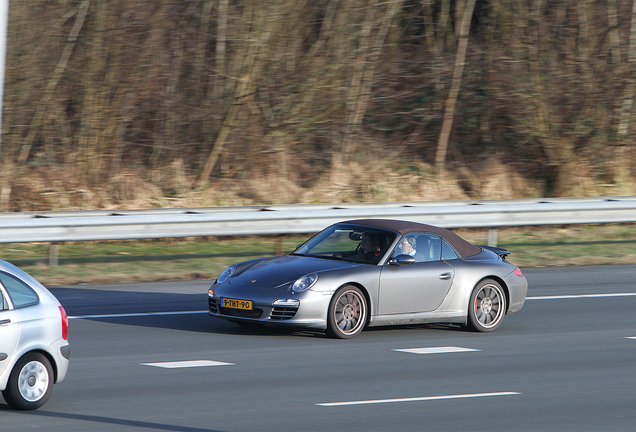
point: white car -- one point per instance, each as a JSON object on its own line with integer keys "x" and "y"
{"x": 34, "y": 348}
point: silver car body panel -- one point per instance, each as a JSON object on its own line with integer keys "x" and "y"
{"x": 417, "y": 287}
{"x": 467, "y": 273}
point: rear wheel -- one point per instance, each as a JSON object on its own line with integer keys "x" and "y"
{"x": 347, "y": 313}
{"x": 30, "y": 383}
{"x": 487, "y": 306}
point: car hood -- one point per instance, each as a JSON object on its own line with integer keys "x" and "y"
{"x": 278, "y": 271}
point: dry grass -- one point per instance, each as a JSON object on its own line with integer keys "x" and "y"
{"x": 370, "y": 177}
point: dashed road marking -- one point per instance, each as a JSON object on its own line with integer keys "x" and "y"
{"x": 558, "y": 297}
{"x": 416, "y": 399}
{"x": 436, "y": 350}
{"x": 187, "y": 364}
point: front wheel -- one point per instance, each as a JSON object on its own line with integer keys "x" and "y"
{"x": 30, "y": 383}
{"x": 347, "y": 313}
{"x": 487, "y": 306}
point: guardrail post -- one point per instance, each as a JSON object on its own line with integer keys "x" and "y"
{"x": 492, "y": 237}
{"x": 54, "y": 251}
{"x": 280, "y": 248}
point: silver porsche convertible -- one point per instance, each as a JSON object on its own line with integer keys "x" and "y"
{"x": 373, "y": 272}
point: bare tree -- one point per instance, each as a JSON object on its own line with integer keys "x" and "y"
{"x": 57, "y": 74}
{"x": 256, "y": 50}
{"x": 274, "y": 88}
{"x": 449, "y": 110}
{"x": 621, "y": 159}
{"x": 364, "y": 70}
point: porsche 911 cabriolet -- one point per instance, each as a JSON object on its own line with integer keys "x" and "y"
{"x": 373, "y": 272}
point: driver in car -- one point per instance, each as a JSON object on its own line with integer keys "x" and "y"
{"x": 369, "y": 247}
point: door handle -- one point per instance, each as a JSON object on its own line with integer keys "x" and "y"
{"x": 5, "y": 321}
{"x": 445, "y": 276}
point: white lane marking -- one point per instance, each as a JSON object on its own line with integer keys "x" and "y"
{"x": 144, "y": 314}
{"x": 436, "y": 350}
{"x": 416, "y": 399}
{"x": 138, "y": 314}
{"x": 557, "y": 297}
{"x": 186, "y": 364}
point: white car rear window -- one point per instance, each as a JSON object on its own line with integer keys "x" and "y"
{"x": 20, "y": 293}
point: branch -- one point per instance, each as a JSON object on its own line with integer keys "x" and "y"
{"x": 48, "y": 91}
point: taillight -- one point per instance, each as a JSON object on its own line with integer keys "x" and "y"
{"x": 517, "y": 271}
{"x": 64, "y": 323}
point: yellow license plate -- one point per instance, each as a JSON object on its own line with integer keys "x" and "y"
{"x": 237, "y": 304}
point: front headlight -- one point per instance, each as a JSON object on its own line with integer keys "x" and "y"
{"x": 286, "y": 302}
{"x": 226, "y": 274}
{"x": 304, "y": 283}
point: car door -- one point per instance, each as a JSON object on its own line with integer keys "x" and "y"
{"x": 9, "y": 331}
{"x": 420, "y": 286}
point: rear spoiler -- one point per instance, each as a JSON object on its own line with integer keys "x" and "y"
{"x": 503, "y": 253}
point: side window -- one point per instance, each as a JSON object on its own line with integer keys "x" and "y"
{"x": 429, "y": 248}
{"x": 424, "y": 247}
{"x": 447, "y": 252}
{"x": 21, "y": 294}
{"x": 3, "y": 303}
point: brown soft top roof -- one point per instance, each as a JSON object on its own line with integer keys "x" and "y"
{"x": 403, "y": 227}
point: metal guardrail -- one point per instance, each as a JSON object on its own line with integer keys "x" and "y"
{"x": 65, "y": 226}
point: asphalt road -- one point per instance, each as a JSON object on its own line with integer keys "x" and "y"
{"x": 565, "y": 362}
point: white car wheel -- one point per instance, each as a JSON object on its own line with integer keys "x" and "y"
{"x": 30, "y": 383}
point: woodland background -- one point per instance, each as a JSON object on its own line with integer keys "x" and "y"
{"x": 157, "y": 103}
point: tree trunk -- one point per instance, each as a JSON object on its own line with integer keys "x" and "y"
{"x": 25, "y": 148}
{"x": 256, "y": 51}
{"x": 202, "y": 43}
{"x": 614, "y": 35}
{"x": 219, "y": 62}
{"x": 449, "y": 111}
{"x": 93, "y": 101}
{"x": 621, "y": 159}
{"x": 362, "y": 81}
{"x": 166, "y": 131}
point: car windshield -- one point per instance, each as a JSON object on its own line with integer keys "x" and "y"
{"x": 348, "y": 242}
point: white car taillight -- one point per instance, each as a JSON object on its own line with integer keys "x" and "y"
{"x": 64, "y": 323}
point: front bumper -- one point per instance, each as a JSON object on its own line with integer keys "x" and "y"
{"x": 311, "y": 311}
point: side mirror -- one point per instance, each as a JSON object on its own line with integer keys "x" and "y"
{"x": 402, "y": 259}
